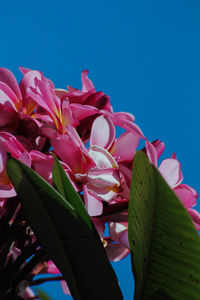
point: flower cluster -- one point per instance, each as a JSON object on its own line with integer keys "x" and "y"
{"x": 79, "y": 126}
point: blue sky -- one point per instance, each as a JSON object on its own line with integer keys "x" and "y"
{"x": 144, "y": 54}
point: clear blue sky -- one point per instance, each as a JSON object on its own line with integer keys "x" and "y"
{"x": 144, "y": 54}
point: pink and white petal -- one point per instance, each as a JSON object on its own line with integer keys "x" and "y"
{"x": 83, "y": 111}
{"x": 93, "y": 204}
{"x": 42, "y": 164}
{"x": 125, "y": 191}
{"x": 8, "y": 98}
{"x": 65, "y": 287}
{"x": 28, "y": 294}
{"x": 126, "y": 124}
{"x": 11, "y": 144}
{"x": 125, "y": 147}
{"x": 127, "y": 173}
{"x": 103, "y": 194}
{"x": 8, "y": 78}
{"x": 7, "y": 191}
{"x": 125, "y": 116}
{"x": 102, "y": 158}
{"x": 159, "y": 146}
{"x": 99, "y": 225}
{"x": 170, "y": 169}
{"x": 3, "y": 157}
{"x": 67, "y": 115}
{"x": 29, "y": 81}
{"x": 174, "y": 155}
{"x": 25, "y": 158}
{"x": 116, "y": 230}
{"x": 8, "y": 118}
{"x": 87, "y": 83}
{"x": 24, "y": 70}
{"x": 116, "y": 251}
{"x": 195, "y": 215}
{"x": 151, "y": 153}
{"x": 61, "y": 93}
{"x": 79, "y": 161}
{"x": 102, "y": 132}
{"x": 40, "y": 101}
{"x": 25, "y": 142}
{"x": 124, "y": 239}
{"x": 48, "y": 95}
{"x": 186, "y": 195}
{"x": 104, "y": 178}
{"x": 51, "y": 268}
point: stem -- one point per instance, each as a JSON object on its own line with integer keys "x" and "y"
{"x": 40, "y": 255}
{"x": 43, "y": 280}
{"x": 114, "y": 208}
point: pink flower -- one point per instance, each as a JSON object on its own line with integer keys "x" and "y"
{"x": 171, "y": 170}
{"x": 87, "y": 104}
{"x": 8, "y": 143}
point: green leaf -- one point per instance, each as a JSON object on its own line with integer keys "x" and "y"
{"x": 74, "y": 247}
{"x": 65, "y": 188}
{"x": 43, "y": 295}
{"x": 165, "y": 245}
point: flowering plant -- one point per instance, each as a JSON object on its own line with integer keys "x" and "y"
{"x": 65, "y": 175}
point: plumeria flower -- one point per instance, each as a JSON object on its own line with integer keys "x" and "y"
{"x": 8, "y": 143}
{"x": 171, "y": 170}
{"x": 87, "y": 104}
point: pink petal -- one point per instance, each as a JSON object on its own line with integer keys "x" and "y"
{"x": 102, "y": 158}
{"x": 125, "y": 147}
{"x": 151, "y": 153}
{"x": 8, "y": 118}
{"x": 116, "y": 230}
{"x": 7, "y": 191}
{"x": 93, "y": 204}
{"x": 99, "y": 225}
{"x": 61, "y": 93}
{"x": 28, "y": 294}
{"x": 171, "y": 170}
{"x": 51, "y": 268}
{"x": 25, "y": 158}
{"x": 159, "y": 146}
{"x": 125, "y": 116}
{"x": 78, "y": 160}
{"x": 24, "y": 70}
{"x": 9, "y": 79}
{"x": 103, "y": 193}
{"x": 87, "y": 83}
{"x": 8, "y": 98}
{"x": 102, "y": 132}
{"x": 116, "y": 251}
{"x": 99, "y": 100}
{"x": 124, "y": 239}
{"x": 65, "y": 287}
{"x": 67, "y": 115}
{"x": 42, "y": 164}
{"x": 127, "y": 173}
{"x": 186, "y": 195}
{"x": 195, "y": 215}
{"x": 83, "y": 111}
{"x": 3, "y": 157}
{"x": 126, "y": 124}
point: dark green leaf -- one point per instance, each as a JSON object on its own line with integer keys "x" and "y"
{"x": 74, "y": 247}
{"x": 164, "y": 243}
{"x": 65, "y": 188}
